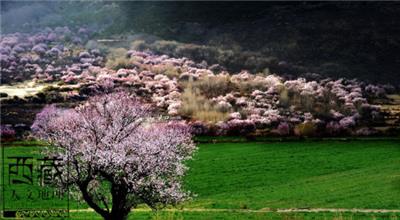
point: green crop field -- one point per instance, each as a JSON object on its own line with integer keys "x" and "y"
{"x": 356, "y": 174}
{"x": 249, "y": 178}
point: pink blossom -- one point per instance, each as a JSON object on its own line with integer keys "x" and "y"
{"x": 347, "y": 122}
{"x": 6, "y": 132}
{"x": 366, "y": 131}
{"x": 235, "y": 115}
{"x": 39, "y": 49}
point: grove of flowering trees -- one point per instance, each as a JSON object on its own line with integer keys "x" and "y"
{"x": 116, "y": 154}
{"x": 216, "y": 102}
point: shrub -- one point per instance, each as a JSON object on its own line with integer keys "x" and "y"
{"x": 333, "y": 128}
{"x": 198, "y": 128}
{"x": 365, "y": 131}
{"x": 224, "y": 106}
{"x": 283, "y": 129}
{"x": 240, "y": 127}
{"x": 7, "y": 133}
{"x": 347, "y": 122}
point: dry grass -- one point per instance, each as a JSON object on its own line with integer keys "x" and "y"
{"x": 24, "y": 89}
{"x": 394, "y": 96}
{"x": 198, "y": 107}
{"x": 213, "y": 86}
{"x": 248, "y": 86}
{"x": 138, "y": 45}
{"x": 306, "y": 129}
{"x": 166, "y": 69}
{"x": 117, "y": 59}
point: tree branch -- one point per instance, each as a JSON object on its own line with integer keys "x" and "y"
{"x": 86, "y": 196}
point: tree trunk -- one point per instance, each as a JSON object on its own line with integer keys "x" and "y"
{"x": 118, "y": 215}
{"x": 120, "y": 205}
{"x": 120, "y": 208}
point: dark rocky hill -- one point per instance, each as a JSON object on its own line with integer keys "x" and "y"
{"x": 351, "y": 39}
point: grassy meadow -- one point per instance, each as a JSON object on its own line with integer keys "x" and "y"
{"x": 251, "y": 180}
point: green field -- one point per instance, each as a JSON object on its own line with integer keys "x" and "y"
{"x": 356, "y": 174}
{"x": 240, "y": 215}
{"x": 264, "y": 176}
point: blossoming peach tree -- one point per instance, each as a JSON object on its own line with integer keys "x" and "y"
{"x": 117, "y": 154}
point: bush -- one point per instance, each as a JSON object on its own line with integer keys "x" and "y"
{"x": 365, "y": 131}
{"x": 283, "y": 129}
{"x": 333, "y": 128}
{"x": 199, "y": 128}
{"x": 240, "y": 127}
{"x": 7, "y": 133}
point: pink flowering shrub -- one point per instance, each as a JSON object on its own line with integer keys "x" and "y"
{"x": 283, "y": 129}
{"x": 374, "y": 91}
{"x": 366, "y": 131}
{"x": 47, "y": 49}
{"x": 333, "y": 128}
{"x": 240, "y": 127}
{"x": 347, "y": 122}
{"x": 7, "y": 132}
{"x": 199, "y": 128}
{"x": 113, "y": 138}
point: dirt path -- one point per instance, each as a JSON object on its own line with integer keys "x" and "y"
{"x": 264, "y": 210}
